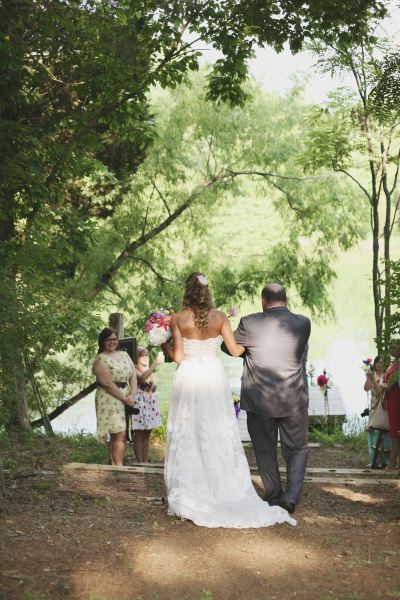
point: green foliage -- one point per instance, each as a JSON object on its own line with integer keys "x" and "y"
{"x": 351, "y": 439}
{"x": 78, "y": 198}
{"x": 394, "y": 298}
{"x": 386, "y": 93}
{"x": 358, "y": 136}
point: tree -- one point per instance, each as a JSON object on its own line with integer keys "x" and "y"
{"x": 75, "y": 124}
{"x": 362, "y": 142}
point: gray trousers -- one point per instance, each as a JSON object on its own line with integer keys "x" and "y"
{"x": 293, "y": 432}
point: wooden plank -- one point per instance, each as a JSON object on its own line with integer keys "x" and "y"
{"x": 158, "y": 468}
{"x": 338, "y": 481}
{"x": 125, "y": 469}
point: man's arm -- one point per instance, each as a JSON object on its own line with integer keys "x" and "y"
{"x": 304, "y": 357}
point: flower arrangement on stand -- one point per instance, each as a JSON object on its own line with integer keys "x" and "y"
{"x": 323, "y": 384}
{"x": 236, "y": 404}
{"x": 157, "y": 326}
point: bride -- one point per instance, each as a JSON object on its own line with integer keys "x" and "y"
{"x": 206, "y": 472}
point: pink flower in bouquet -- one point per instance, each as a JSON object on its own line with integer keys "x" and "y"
{"x": 233, "y": 312}
{"x": 157, "y": 326}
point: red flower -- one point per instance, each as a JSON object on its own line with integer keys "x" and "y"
{"x": 322, "y": 380}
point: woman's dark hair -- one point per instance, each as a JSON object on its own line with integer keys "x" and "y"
{"x": 103, "y": 335}
{"x": 377, "y": 359}
{"x": 197, "y": 297}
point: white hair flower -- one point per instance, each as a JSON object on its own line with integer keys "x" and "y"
{"x": 202, "y": 279}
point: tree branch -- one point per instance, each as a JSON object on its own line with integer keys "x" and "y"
{"x": 357, "y": 182}
{"x": 156, "y": 273}
{"x": 63, "y": 407}
{"x": 395, "y": 214}
{"x": 290, "y": 200}
{"x": 105, "y": 277}
{"x": 266, "y": 174}
{"x": 163, "y": 199}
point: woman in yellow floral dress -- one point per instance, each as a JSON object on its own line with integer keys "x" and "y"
{"x": 116, "y": 378}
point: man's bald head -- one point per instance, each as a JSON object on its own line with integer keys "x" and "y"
{"x": 274, "y": 294}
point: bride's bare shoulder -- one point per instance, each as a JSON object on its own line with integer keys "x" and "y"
{"x": 217, "y": 314}
{"x": 183, "y": 316}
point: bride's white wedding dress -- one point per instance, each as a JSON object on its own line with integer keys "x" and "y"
{"x": 206, "y": 472}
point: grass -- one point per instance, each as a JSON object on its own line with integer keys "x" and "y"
{"x": 22, "y": 450}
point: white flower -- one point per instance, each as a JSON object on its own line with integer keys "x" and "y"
{"x": 202, "y": 279}
{"x": 158, "y": 336}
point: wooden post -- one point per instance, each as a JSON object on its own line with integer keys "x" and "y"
{"x": 116, "y": 321}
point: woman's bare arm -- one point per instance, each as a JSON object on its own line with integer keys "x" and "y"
{"x": 146, "y": 374}
{"x": 234, "y": 348}
{"x": 368, "y": 385}
{"x": 175, "y": 352}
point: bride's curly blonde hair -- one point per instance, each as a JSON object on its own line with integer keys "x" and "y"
{"x": 197, "y": 297}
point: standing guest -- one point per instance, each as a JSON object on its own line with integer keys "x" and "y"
{"x": 116, "y": 379}
{"x": 149, "y": 416}
{"x": 378, "y": 423}
{"x": 391, "y": 402}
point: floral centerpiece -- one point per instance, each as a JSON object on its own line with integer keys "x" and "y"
{"x": 323, "y": 382}
{"x": 157, "y": 326}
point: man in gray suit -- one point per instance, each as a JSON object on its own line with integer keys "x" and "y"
{"x": 275, "y": 393}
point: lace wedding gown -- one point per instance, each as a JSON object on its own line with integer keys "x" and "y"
{"x": 206, "y": 472}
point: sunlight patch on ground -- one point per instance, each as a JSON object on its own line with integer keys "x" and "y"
{"x": 354, "y": 496}
{"x": 248, "y": 553}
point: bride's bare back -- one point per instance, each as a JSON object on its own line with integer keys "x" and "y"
{"x": 187, "y": 326}
{"x": 183, "y": 325}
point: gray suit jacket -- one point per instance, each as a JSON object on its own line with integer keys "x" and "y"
{"x": 274, "y": 382}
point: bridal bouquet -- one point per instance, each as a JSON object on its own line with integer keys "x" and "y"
{"x": 157, "y": 326}
{"x": 367, "y": 363}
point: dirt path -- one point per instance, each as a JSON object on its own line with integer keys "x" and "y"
{"x": 106, "y": 536}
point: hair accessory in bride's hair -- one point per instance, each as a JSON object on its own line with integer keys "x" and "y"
{"x": 202, "y": 279}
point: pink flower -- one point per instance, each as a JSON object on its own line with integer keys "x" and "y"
{"x": 322, "y": 380}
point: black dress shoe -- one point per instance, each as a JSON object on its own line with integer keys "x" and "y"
{"x": 289, "y": 506}
{"x": 273, "y": 501}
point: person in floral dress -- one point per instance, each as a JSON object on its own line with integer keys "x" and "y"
{"x": 116, "y": 379}
{"x": 149, "y": 416}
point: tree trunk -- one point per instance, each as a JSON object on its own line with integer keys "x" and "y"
{"x": 387, "y": 231}
{"x": 15, "y": 396}
{"x": 13, "y": 381}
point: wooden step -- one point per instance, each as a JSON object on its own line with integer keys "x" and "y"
{"x": 313, "y": 474}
